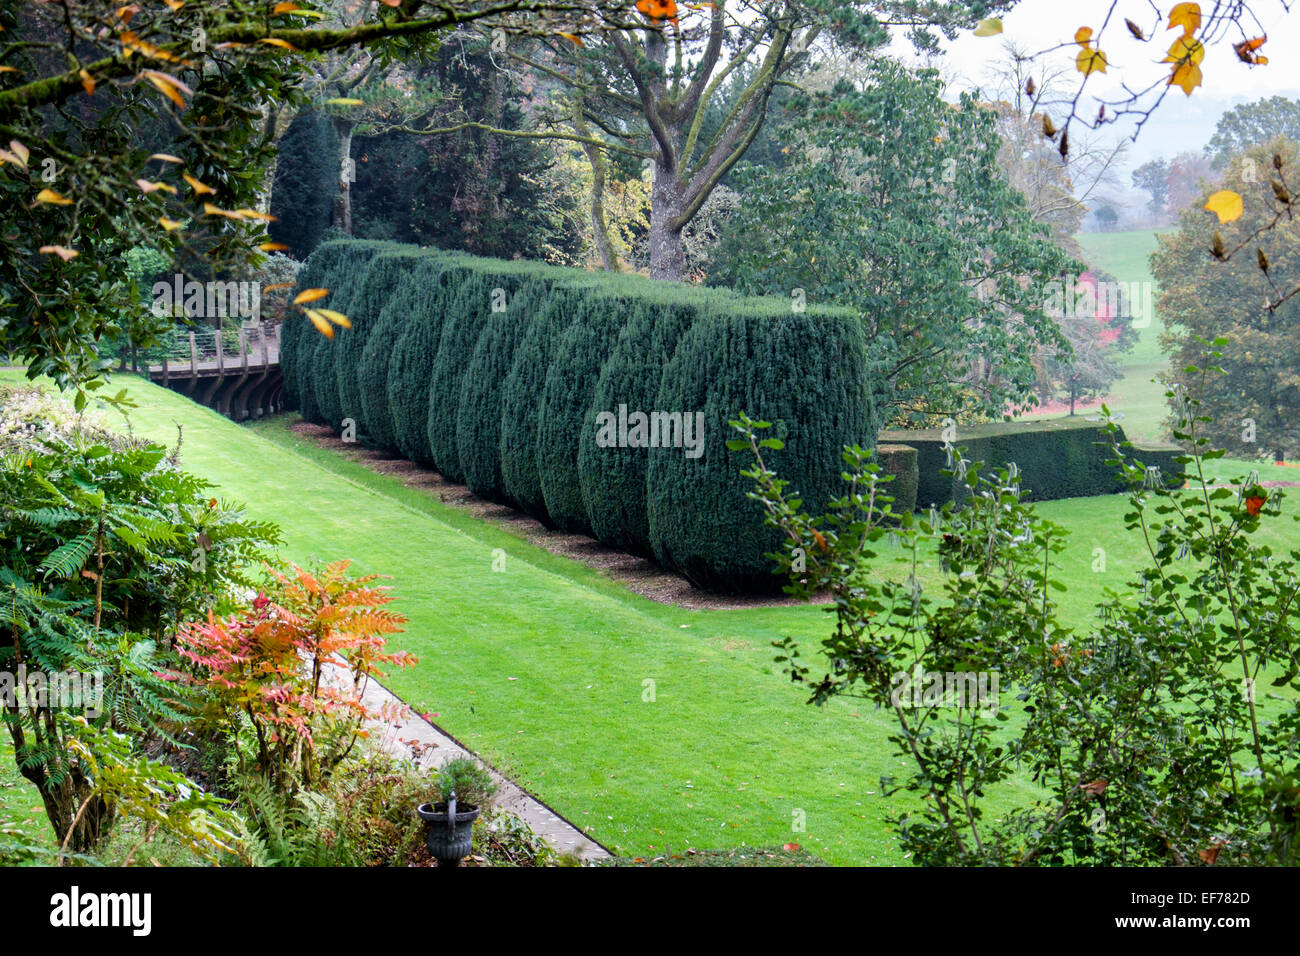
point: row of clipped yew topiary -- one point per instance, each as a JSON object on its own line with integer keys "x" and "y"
{"x": 522, "y": 380}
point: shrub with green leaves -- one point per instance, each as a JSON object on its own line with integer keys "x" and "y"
{"x": 1165, "y": 734}
{"x": 105, "y": 547}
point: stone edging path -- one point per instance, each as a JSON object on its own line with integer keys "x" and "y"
{"x": 407, "y": 734}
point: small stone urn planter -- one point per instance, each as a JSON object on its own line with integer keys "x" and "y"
{"x": 449, "y": 830}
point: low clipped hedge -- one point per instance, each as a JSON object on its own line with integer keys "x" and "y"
{"x": 900, "y": 461}
{"x": 1057, "y": 458}
{"x": 504, "y": 374}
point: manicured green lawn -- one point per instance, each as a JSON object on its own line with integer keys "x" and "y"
{"x": 543, "y": 668}
{"x": 1125, "y": 255}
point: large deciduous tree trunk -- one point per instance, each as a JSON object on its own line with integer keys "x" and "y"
{"x": 667, "y": 250}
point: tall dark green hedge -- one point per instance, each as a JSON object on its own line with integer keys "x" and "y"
{"x": 807, "y": 374}
{"x": 565, "y": 402}
{"x": 351, "y": 260}
{"x": 511, "y": 401}
{"x": 613, "y": 479}
{"x": 460, "y": 333}
{"x": 383, "y": 275}
{"x": 520, "y": 405}
{"x": 305, "y": 182}
{"x": 478, "y": 417}
{"x": 421, "y": 303}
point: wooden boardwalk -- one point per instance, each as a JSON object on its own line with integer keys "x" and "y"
{"x": 234, "y": 371}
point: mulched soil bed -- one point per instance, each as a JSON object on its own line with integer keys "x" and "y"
{"x": 638, "y": 574}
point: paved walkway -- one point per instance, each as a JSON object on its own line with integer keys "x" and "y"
{"x": 410, "y": 734}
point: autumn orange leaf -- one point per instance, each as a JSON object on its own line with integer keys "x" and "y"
{"x": 87, "y": 81}
{"x": 276, "y": 41}
{"x": 284, "y": 8}
{"x": 658, "y": 9}
{"x": 1245, "y": 51}
{"x": 310, "y": 295}
{"x": 8, "y": 69}
{"x": 212, "y": 210}
{"x": 273, "y": 247}
{"x": 276, "y": 287}
{"x": 168, "y": 86}
{"x": 1225, "y": 204}
{"x": 573, "y": 38}
{"x": 1254, "y": 503}
{"x": 174, "y": 5}
{"x": 198, "y": 187}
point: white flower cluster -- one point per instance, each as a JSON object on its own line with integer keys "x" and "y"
{"x": 32, "y": 420}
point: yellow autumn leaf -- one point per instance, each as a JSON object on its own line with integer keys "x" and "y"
{"x": 276, "y": 41}
{"x": 273, "y": 247}
{"x": 53, "y": 198}
{"x": 1187, "y": 16}
{"x": 147, "y": 187}
{"x": 310, "y": 295}
{"x": 990, "y": 27}
{"x": 168, "y": 224}
{"x": 212, "y": 210}
{"x": 255, "y": 214}
{"x": 1090, "y": 61}
{"x": 322, "y": 325}
{"x": 1186, "y": 75}
{"x": 167, "y": 158}
{"x": 9, "y": 69}
{"x": 338, "y": 318}
{"x": 87, "y": 81}
{"x": 1225, "y": 204}
{"x": 174, "y": 5}
{"x": 63, "y": 252}
{"x": 198, "y": 187}
{"x": 276, "y": 287}
{"x": 1187, "y": 49}
{"x": 284, "y": 8}
{"x": 345, "y": 101}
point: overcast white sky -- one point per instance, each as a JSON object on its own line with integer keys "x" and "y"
{"x": 1182, "y": 122}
